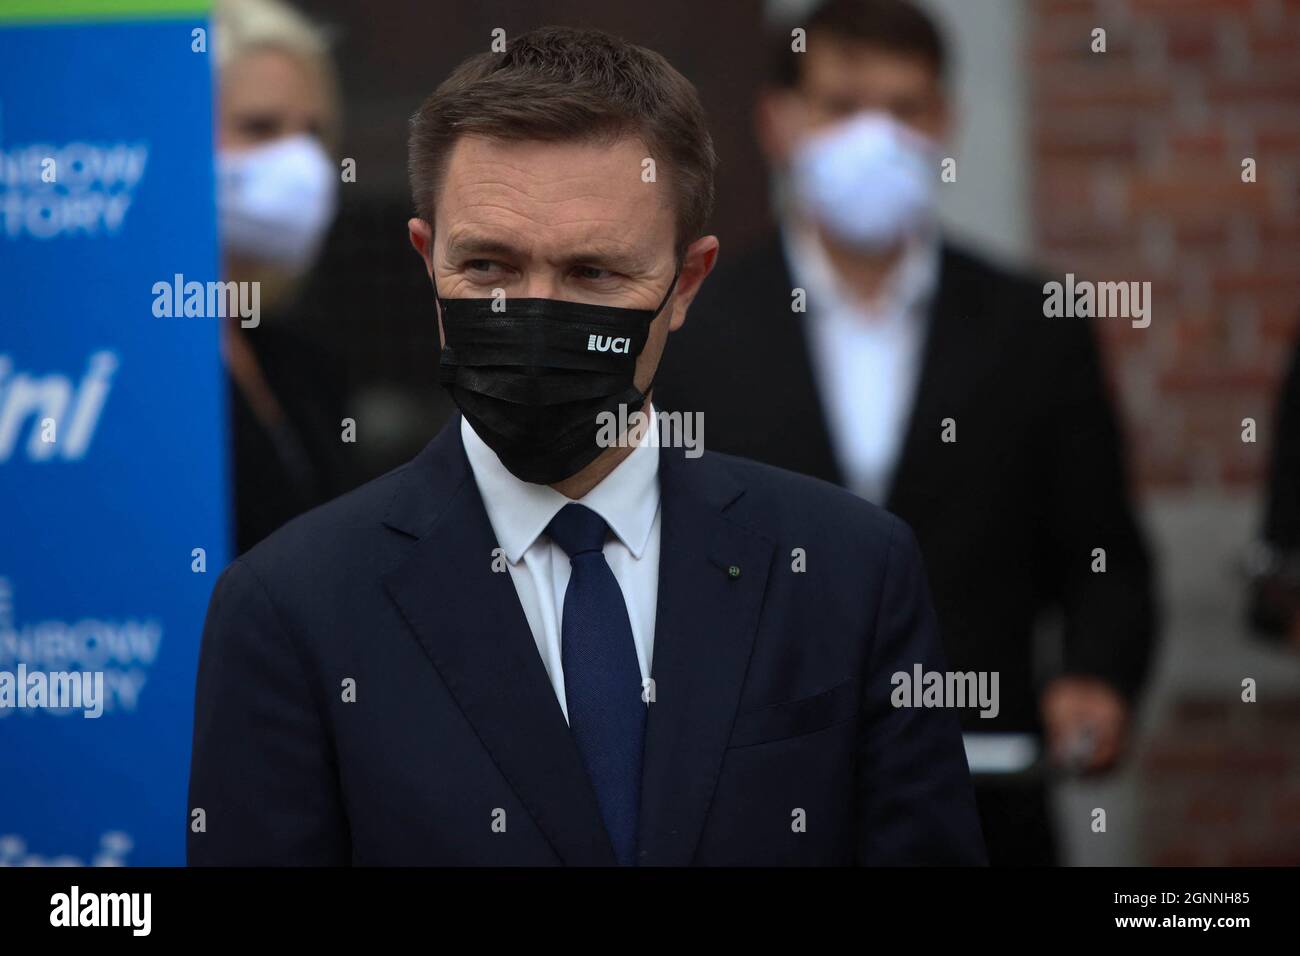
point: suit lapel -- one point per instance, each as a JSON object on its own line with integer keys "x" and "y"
{"x": 704, "y": 632}
{"x": 950, "y": 341}
{"x": 794, "y": 406}
{"x": 469, "y": 622}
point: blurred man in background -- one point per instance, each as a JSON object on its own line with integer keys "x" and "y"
{"x": 277, "y": 123}
{"x": 860, "y": 347}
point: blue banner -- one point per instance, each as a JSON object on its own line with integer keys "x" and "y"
{"x": 113, "y": 472}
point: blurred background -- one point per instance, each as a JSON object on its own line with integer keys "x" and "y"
{"x": 1111, "y": 166}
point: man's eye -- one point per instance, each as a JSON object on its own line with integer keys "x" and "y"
{"x": 592, "y": 273}
{"x": 260, "y": 127}
{"x": 837, "y": 107}
{"x": 480, "y": 265}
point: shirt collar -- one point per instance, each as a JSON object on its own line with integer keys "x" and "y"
{"x": 627, "y": 498}
{"x": 907, "y": 288}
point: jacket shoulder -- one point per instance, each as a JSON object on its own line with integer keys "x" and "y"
{"x": 328, "y": 538}
{"x": 786, "y": 505}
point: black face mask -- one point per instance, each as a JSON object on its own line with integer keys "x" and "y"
{"x": 533, "y": 378}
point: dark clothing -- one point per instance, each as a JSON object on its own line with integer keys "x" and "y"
{"x": 1016, "y": 818}
{"x": 1008, "y": 515}
{"x": 281, "y": 470}
{"x": 771, "y": 738}
{"x": 1282, "y": 519}
{"x": 1274, "y": 605}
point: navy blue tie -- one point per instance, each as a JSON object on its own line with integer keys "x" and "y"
{"x": 602, "y": 679}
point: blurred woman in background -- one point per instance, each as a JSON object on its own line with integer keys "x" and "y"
{"x": 277, "y": 182}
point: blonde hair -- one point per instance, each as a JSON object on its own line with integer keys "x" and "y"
{"x": 241, "y": 27}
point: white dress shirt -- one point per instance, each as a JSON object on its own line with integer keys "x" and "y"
{"x": 866, "y": 356}
{"x": 628, "y": 500}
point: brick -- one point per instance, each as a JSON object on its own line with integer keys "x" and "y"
{"x": 1183, "y": 854}
{"x": 1217, "y": 810}
{"x": 1082, "y": 89}
{"x": 1267, "y": 763}
{"x": 1070, "y": 232}
{"x": 1167, "y": 758}
{"x": 1197, "y": 336}
{"x": 1214, "y": 378}
{"x": 1273, "y": 853}
{"x": 1069, "y": 41}
{"x": 1200, "y": 146}
{"x": 1203, "y": 229}
{"x": 1270, "y": 46}
{"x": 1119, "y": 261}
{"x": 1257, "y": 283}
{"x": 1182, "y": 8}
{"x": 1065, "y": 187}
{"x": 1050, "y": 10}
{"x": 1275, "y": 141}
{"x": 1201, "y": 189}
{"x": 1242, "y": 473}
{"x": 1192, "y": 41}
{"x": 1258, "y": 87}
{"x": 1084, "y": 145}
{"x": 1281, "y": 234}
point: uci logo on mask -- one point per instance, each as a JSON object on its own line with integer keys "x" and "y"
{"x": 606, "y": 343}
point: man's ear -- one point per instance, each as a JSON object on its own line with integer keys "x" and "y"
{"x": 701, "y": 255}
{"x": 421, "y": 235}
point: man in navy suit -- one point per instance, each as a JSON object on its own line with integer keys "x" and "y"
{"x": 551, "y": 638}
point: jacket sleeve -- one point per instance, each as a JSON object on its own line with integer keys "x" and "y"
{"x": 262, "y": 770}
{"x": 1109, "y": 615}
{"x": 915, "y": 801}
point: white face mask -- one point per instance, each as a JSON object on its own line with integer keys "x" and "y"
{"x": 868, "y": 180}
{"x": 275, "y": 201}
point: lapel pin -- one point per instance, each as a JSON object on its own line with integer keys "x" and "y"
{"x": 733, "y": 571}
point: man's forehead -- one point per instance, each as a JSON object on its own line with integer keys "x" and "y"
{"x": 533, "y": 171}
{"x": 590, "y": 194}
{"x": 850, "y": 66}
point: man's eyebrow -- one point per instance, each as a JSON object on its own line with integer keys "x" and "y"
{"x": 613, "y": 256}
{"x": 480, "y": 246}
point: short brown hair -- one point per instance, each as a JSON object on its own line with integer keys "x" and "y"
{"x": 895, "y": 26}
{"x": 560, "y": 84}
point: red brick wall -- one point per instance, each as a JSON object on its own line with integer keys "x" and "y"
{"x": 1137, "y": 155}
{"x": 1220, "y": 785}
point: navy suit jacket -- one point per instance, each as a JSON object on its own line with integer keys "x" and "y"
{"x": 771, "y": 739}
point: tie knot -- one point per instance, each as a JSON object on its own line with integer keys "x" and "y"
{"x": 577, "y": 529}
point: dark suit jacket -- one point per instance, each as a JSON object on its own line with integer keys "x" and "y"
{"x": 1008, "y": 515}
{"x": 772, "y": 688}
